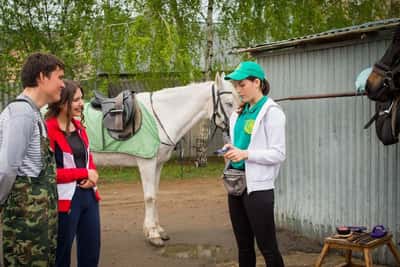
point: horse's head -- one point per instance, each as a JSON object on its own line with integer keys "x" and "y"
{"x": 225, "y": 101}
{"x": 385, "y": 76}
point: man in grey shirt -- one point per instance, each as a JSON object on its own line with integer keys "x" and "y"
{"x": 28, "y": 196}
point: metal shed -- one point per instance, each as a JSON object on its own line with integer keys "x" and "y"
{"x": 336, "y": 173}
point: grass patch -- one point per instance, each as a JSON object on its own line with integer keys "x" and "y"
{"x": 172, "y": 170}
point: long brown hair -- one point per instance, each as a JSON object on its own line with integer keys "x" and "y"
{"x": 265, "y": 88}
{"x": 264, "y": 84}
{"x": 67, "y": 96}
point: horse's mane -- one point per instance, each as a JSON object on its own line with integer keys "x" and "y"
{"x": 392, "y": 53}
{"x": 396, "y": 36}
{"x": 183, "y": 87}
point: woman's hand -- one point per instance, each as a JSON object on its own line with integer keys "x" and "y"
{"x": 235, "y": 154}
{"x": 86, "y": 184}
{"x": 93, "y": 176}
{"x": 91, "y": 181}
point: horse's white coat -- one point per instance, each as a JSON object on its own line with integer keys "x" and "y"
{"x": 179, "y": 109}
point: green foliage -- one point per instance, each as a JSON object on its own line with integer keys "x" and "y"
{"x": 161, "y": 36}
{"x": 260, "y": 21}
{"x": 52, "y": 26}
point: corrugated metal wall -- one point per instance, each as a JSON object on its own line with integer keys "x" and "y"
{"x": 336, "y": 173}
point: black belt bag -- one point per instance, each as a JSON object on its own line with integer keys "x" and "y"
{"x": 234, "y": 180}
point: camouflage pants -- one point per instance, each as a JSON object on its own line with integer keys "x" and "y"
{"x": 30, "y": 222}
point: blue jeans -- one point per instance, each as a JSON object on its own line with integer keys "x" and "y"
{"x": 83, "y": 220}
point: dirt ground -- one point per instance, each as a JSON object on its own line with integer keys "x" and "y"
{"x": 194, "y": 213}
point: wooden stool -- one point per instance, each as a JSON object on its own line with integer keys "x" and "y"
{"x": 349, "y": 247}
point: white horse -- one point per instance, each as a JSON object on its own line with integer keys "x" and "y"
{"x": 178, "y": 110}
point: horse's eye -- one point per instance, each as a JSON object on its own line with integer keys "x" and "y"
{"x": 229, "y": 104}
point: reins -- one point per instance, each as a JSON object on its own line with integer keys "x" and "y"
{"x": 217, "y": 103}
{"x": 172, "y": 143}
{"x": 217, "y": 106}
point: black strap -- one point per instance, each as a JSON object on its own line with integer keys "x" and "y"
{"x": 172, "y": 143}
{"x": 389, "y": 110}
{"x": 216, "y": 98}
{"x": 217, "y": 102}
{"x": 394, "y": 115}
{"x": 369, "y": 123}
{"x": 387, "y": 73}
{"x": 34, "y": 108}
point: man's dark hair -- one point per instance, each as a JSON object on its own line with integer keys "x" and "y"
{"x": 38, "y": 63}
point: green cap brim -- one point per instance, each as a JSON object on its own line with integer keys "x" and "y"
{"x": 237, "y": 75}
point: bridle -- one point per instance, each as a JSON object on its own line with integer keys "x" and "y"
{"x": 217, "y": 105}
{"x": 388, "y": 67}
{"x": 388, "y": 83}
{"x": 387, "y": 74}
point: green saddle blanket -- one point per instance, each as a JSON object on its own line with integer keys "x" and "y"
{"x": 144, "y": 143}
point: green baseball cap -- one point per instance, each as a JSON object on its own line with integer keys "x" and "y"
{"x": 245, "y": 70}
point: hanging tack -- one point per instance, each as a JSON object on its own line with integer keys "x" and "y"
{"x": 201, "y": 144}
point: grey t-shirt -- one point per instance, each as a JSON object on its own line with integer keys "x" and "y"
{"x": 19, "y": 144}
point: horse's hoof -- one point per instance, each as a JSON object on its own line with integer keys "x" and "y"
{"x": 164, "y": 236}
{"x": 156, "y": 242}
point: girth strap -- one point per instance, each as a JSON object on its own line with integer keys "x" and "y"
{"x": 119, "y": 110}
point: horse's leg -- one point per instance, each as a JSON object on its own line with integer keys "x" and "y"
{"x": 147, "y": 168}
{"x": 163, "y": 234}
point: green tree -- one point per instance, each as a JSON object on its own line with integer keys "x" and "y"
{"x": 153, "y": 36}
{"x": 260, "y": 21}
{"x": 163, "y": 36}
{"x": 54, "y": 26}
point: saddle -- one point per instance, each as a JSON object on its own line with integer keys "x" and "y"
{"x": 121, "y": 114}
{"x": 387, "y": 121}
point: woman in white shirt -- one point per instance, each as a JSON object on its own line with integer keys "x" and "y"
{"x": 258, "y": 134}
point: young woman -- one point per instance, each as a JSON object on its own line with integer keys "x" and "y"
{"x": 258, "y": 135}
{"x": 76, "y": 179}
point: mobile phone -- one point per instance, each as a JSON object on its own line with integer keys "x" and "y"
{"x": 221, "y": 151}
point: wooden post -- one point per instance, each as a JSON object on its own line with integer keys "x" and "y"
{"x": 368, "y": 257}
{"x": 348, "y": 255}
{"x": 321, "y": 257}
{"x": 394, "y": 251}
